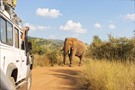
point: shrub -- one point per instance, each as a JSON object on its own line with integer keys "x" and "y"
{"x": 114, "y": 49}
{"x": 41, "y": 60}
{"x": 50, "y": 58}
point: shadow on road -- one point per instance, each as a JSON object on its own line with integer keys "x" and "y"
{"x": 69, "y": 76}
{"x": 67, "y": 71}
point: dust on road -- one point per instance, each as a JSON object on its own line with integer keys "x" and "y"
{"x": 55, "y": 78}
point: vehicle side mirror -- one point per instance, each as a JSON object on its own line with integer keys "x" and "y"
{"x": 29, "y": 46}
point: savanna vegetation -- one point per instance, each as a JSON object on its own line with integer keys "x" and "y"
{"x": 109, "y": 64}
{"x": 106, "y": 75}
{"x": 122, "y": 49}
{"x": 46, "y": 52}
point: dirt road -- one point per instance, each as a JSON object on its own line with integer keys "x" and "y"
{"x": 55, "y": 78}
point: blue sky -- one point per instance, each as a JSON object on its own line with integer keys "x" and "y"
{"x": 58, "y": 19}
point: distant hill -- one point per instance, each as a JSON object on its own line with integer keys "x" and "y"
{"x": 56, "y": 41}
{"x": 50, "y": 43}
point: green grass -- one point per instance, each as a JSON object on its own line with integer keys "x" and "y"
{"x": 105, "y": 75}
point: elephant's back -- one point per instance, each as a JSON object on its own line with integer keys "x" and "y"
{"x": 81, "y": 44}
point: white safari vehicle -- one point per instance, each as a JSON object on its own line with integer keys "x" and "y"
{"x": 15, "y": 61}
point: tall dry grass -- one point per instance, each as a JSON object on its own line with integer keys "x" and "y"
{"x": 52, "y": 59}
{"x": 105, "y": 75}
{"x": 41, "y": 60}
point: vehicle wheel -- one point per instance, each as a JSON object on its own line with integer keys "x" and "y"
{"x": 12, "y": 81}
{"x": 29, "y": 81}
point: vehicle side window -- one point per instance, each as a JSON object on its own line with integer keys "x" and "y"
{"x": 16, "y": 38}
{"x": 9, "y": 34}
{"x": 22, "y": 43}
{"x": 3, "y": 30}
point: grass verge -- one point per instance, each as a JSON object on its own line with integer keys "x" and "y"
{"x": 105, "y": 75}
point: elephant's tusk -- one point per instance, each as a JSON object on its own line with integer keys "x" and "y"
{"x": 69, "y": 52}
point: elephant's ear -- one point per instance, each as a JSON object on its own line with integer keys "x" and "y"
{"x": 74, "y": 43}
{"x": 70, "y": 43}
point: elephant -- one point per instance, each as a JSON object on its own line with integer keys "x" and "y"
{"x": 73, "y": 47}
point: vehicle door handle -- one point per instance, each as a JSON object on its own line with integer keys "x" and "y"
{"x": 22, "y": 60}
{"x": 17, "y": 60}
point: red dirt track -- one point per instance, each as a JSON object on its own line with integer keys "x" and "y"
{"x": 55, "y": 78}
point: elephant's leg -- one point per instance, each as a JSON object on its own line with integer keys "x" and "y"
{"x": 72, "y": 58}
{"x": 71, "y": 61}
{"x": 81, "y": 57}
{"x": 69, "y": 55}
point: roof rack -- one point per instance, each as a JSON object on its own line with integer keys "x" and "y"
{"x": 12, "y": 15}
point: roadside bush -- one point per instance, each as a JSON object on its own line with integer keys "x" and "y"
{"x": 53, "y": 57}
{"x": 50, "y": 58}
{"x": 41, "y": 60}
{"x": 39, "y": 49}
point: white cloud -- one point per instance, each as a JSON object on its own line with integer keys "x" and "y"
{"x": 36, "y": 27}
{"x": 111, "y": 26}
{"x": 45, "y": 12}
{"x": 97, "y": 25}
{"x": 110, "y": 21}
{"x": 52, "y": 37}
{"x": 43, "y": 27}
{"x": 32, "y": 27}
{"x": 75, "y": 35}
{"x": 129, "y": 17}
{"x": 73, "y": 27}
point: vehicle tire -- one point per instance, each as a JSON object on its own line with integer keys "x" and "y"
{"x": 29, "y": 81}
{"x": 12, "y": 81}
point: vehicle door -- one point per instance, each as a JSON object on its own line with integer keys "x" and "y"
{"x": 6, "y": 50}
{"x": 17, "y": 52}
{"x": 23, "y": 58}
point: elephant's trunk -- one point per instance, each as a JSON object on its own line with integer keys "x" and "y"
{"x": 64, "y": 55}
